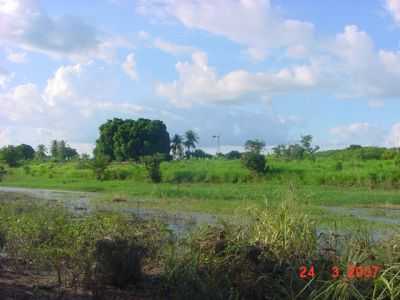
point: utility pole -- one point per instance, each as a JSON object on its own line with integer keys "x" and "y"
{"x": 218, "y": 144}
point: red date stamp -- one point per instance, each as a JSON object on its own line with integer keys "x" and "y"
{"x": 352, "y": 272}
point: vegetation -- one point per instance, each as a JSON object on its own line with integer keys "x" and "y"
{"x": 262, "y": 258}
{"x": 152, "y": 165}
{"x": 131, "y": 139}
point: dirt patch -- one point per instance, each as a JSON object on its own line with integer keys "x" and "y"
{"x": 28, "y": 285}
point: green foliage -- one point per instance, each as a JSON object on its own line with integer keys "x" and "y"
{"x": 152, "y": 165}
{"x": 254, "y": 162}
{"x": 233, "y": 155}
{"x": 25, "y": 152}
{"x": 191, "y": 139}
{"x": 41, "y": 152}
{"x": 339, "y": 166}
{"x": 3, "y": 172}
{"x": 52, "y": 239}
{"x": 255, "y": 146}
{"x": 10, "y": 155}
{"x": 198, "y": 153}
{"x": 129, "y": 139}
{"x": 99, "y": 166}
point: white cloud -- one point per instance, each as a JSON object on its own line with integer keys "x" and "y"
{"x": 199, "y": 83}
{"x": 172, "y": 48}
{"x": 16, "y": 57}
{"x": 21, "y": 103}
{"x": 71, "y": 105}
{"x": 361, "y": 133}
{"x": 393, "y": 139}
{"x": 129, "y": 66}
{"x": 252, "y": 23}
{"x": 24, "y": 24}
{"x": 363, "y": 70}
{"x": 393, "y": 7}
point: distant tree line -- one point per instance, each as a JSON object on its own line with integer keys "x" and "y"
{"x": 297, "y": 151}
{"x": 59, "y": 151}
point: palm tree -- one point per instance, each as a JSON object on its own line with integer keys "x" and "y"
{"x": 191, "y": 139}
{"x": 177, "y": 146}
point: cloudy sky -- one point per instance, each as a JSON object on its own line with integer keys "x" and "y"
{"x": 242, "y": 69}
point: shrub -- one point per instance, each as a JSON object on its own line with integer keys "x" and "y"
{"x": 233, "y": 155}
{"x": 254, "y": 162}
{"x": 152, "y": 165}
{"x": 99, "y": 166}
{"x": 339, "y": 166}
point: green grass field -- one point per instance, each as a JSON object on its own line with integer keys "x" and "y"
{"x": 225, "y": 186}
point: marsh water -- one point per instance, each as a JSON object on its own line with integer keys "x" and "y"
{"x": 178, "y": 222}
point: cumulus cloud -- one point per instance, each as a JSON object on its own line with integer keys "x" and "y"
{"x": 71, "y": 105}
{"x": 200, "y": 83}
{"x": 393, "y": 7}
{"x": 393, "y": 139}
{"x": 365, "y": 71}
{"x": 23, "y": 23}
{"x": 129, "y": 66}
{"x": 361, "y": 133}
{"x": 252, "y": 23}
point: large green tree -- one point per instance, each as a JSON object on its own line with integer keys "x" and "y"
{"x": 25, "y": 152}
{"x": 10, "y": 155}
{"x": 132, "y": 139}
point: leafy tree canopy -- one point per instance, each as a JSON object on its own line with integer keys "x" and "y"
{"x": 131, "y": 139}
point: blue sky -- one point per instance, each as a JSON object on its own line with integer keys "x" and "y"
{"x": 243, "y": 69}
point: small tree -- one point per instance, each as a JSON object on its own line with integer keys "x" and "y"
{"x": 10, "y": 155}
{"x": 191, "y": 139}
{"x": 54, "y": 149}
{"x": 255, "y": 146}
{"x": 255, "y": 162}
{"x": 306, "y": 142}
{"x": 99, "y": 166}
{"x": 41, "y": 152}
{"x": 152, "y": 165}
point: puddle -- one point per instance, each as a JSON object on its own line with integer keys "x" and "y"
{"x": 382, "y": 215}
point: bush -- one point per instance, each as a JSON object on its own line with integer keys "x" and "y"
{"x": 233, "y": 155}
{"x": 99, "y": 166}
{"x": 339, "y": 166}
{"x": 152, "y": 165}
{"x": 254, "y": 162}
